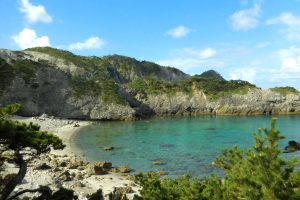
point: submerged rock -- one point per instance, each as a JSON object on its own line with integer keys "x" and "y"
{"x": 158, "y": 163}
{"x": 108, "y": 148}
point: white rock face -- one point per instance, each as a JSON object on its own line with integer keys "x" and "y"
{"x": 67, "y": 67}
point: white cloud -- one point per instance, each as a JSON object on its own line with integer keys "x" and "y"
{"x": 187, "y": 59}
{"x": 292, "y": 22}
{"x": 246, "y": 74}
{"x": 28, "y": 38}
{"x": 201, "y": 53}
{"x": 290, "y": 60}
{"x": 181, "y": 63}
{"x": 190, "y": 65}
{"x": 179, "y": 32}
{"x": 90, "y": 43}
{"x": 289, "y": 67}
{"x": 244, "y": 20}
{"x": 35, "y": 13}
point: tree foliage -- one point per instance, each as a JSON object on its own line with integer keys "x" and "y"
{"x": 257, "y": 173}
{"x": 16, "y": 136}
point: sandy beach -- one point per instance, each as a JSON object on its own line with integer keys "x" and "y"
{"x": 80, "y": 181}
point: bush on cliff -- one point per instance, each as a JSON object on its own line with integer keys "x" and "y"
{"x": 257, "y": 173}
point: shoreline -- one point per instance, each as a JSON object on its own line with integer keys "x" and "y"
{"x": 88, "y": 184}
{"x": 63, "y": 128}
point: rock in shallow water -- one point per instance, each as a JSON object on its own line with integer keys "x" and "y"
{"x": 292, "y": 147}
{"x": 108, "y": 148}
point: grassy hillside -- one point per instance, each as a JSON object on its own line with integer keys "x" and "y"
{"x": 285, "y": 90}
{"x": 211, "y": 74}
{"x": 126, "y": 67}
{"x": 213, "y": 88}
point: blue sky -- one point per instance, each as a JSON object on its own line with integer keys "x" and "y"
{"x": 253, "y": 40}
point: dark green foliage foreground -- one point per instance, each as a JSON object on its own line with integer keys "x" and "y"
{"x": 257, "y": 173}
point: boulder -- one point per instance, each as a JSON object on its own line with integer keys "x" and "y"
{"x": 292, "y": 147}
{"x": 79, "y": 176}
{"x": 65, "y": 176}
{"x": 78, "y": 184}
{"x": 75, "y": 163}
{"x": 63, "y": 164}
{"x": 105, "y": 165}
{"x": 94, "y": 169}
{"x": 76, "y": 125}
{"x": 124, "y": 169}
{"x": 8, "y": 154}
{"x": 42, "y": 166}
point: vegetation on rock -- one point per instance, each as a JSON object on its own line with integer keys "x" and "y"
{"x": 6, "y": 75}
{"x": 213, "y": 88}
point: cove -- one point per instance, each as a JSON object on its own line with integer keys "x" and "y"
{"x": 183, "y": 145}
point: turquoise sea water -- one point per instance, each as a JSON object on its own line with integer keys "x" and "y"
{"x": 185, "y": 145}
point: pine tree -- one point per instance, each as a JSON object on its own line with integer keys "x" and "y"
{"x": 16, "y": 136}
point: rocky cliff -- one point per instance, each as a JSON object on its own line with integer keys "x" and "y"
{"x": 59, "y": 83}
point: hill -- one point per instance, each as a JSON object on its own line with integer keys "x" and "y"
{"x": 60, "y": 83}
{"x": 212, "y": 74}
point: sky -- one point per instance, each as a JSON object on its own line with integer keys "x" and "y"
{"x": 253, "y": 40}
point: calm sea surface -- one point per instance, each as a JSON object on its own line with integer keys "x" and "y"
{"x": 184, "y": 145}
